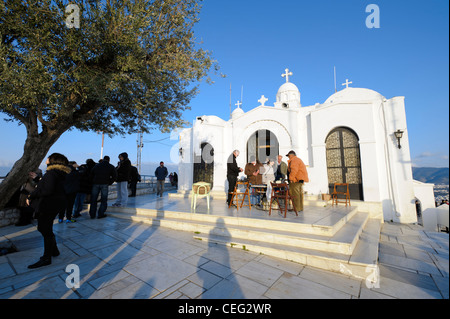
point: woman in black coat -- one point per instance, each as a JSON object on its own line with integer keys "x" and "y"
{"x": 51, "y": 199}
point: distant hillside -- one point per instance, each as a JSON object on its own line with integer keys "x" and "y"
{"x": 438, "y": 176}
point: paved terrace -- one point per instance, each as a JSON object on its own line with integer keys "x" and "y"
{"x": 121, "y": 259}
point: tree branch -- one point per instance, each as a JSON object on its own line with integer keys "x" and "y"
{"x": 16, "y": 114}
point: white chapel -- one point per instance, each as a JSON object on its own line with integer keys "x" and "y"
{"x": 357, "y": 136}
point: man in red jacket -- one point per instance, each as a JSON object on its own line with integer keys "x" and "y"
{"x": 297, "y": 176}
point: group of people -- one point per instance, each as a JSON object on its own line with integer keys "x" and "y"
{"x": 258, "y": 173}
{"x": 173, "y": 178}
{"x": 294, "y": 172}
{"x": 62, "y": 191}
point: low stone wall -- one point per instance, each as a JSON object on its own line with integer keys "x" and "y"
{"x": 142, "y": 189}
{"x": 9, "y": 216}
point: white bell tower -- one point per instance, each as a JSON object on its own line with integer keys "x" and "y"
{"x": 288, "y": 95}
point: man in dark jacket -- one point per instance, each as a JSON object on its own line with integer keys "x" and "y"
{"x": 85, "y": 189}
{"x": 232, "y": 173}
{"x": 123, "y": 176}
{"x": 102, "y": 175}
{"x": 135, "y": 177}
{"x": 71, "y": 187}
{"x": 161, "y": 174}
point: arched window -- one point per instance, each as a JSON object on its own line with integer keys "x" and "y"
{"x": 263, "y": 144}
{"x": 204, "y": 165}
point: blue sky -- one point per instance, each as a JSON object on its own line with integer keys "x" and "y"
{"x": 255, "y": 40}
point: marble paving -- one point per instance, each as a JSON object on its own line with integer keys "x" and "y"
{"x": 119, "y": 259}
{"x": 316, "y": 214}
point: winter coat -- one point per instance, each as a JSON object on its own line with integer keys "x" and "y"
{"x": 297, "y": 170}
{"x": 249, "y": 170}
{"x": 232, "y": 168}
{"x": 134, "y": 175}
{"x": 28, "y": 188}
{"x": 72, "y": 183}
{"x": 49, "y": 197}
{"x": 161, "y": 173}
{"x": 124, "y": 169}
{"x": 281, "y": 171}
{"x": 103, "y": 174}
{"x": 85, "y": 178}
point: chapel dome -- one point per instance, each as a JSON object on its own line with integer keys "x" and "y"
{"x": 287, "y": 87}
{"x": 212, "y": 119}
{"x": 288, "y": 95}
{"x": 351, "y": 94}
{"x": 238, "y": 112}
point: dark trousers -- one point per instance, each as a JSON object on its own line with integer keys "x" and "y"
{"x": 70, "y": 201}
{"x": 45, "y": 227}
{"x": 101, "y": 189}
{"x": 231, "y": 185}
{"x": 26, "y": 215}
{"x": 79, "y": 203}
{"x": 133, "y": 186}
{"x": 160, "y": 187}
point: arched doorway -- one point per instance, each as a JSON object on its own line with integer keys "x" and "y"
{"x": 204, "y": 165}
{"x": 263, "y": 144}
{"x": 344, "y": 161}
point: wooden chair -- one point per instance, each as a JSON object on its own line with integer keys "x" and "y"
{"x": 235, "y": 194}
{"x": 281, "y": 191}
{"x": 341, "y": 194}
{"x": 200, "y": 189}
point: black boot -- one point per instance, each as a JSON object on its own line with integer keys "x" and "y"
{"x": 43, "y": 261}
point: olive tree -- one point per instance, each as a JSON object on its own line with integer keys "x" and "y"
{"x": 113, "y": 66}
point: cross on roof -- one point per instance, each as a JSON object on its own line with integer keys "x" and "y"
{"x": 286, "y": 75}
{"x": 347, "y": 83}
{"x": 238, "y": 104}
{"x": 263, "y": 100}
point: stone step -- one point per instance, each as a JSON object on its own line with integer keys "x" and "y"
{"x": 327, "y": 226}
{"x": 361, "y": 264}
{"x": 366, "y": 251}
{"x": 343, "y": 241}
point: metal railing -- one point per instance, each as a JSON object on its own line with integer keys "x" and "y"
{"x": 147, "y": 183}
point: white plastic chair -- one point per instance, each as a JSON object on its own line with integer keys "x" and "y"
{"x": 200, "y": 189}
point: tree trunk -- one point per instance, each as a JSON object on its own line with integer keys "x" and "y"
{"x": 35, "y": 149}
